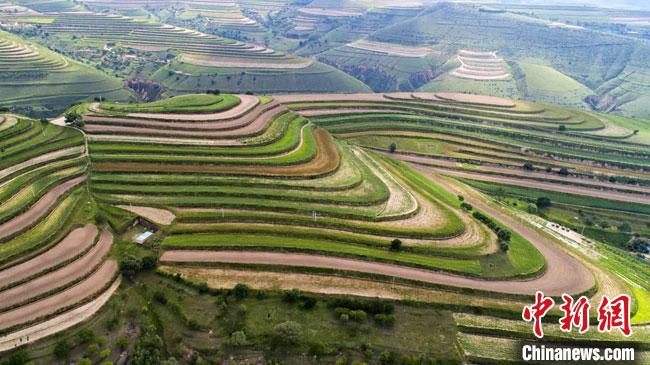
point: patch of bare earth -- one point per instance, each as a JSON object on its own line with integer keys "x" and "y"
{"x": 156, "y": 215}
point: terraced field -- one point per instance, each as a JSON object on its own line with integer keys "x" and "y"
{"x": 51, "y": 260}
{"x": 310, "y": 185}
{"x": 36, "y": 80}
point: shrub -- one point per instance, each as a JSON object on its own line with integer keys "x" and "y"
{"x": 72, "y": 118}
{"x": 543, "y": 202}
{"x": 240, "y": 291}
{"x": 393, "y": 147}
{"x": 461, "y": 198}
{"x": 385, "y": 320}
{"x": 105, "y": 353}
{"x": 286, "y": 334}
{"x": 130, "y": 266}
{"x": 149, "y": 262}
{"x": 86, "y": 335}
{"x": 122, "y": 343}
{"x": 529, "y": 166}
{"x": 504, "y": 246}
{"x": 309, "y": 303}
{"x": 291, "y": 296}
{"x": 396, "y": 245}
{"x": 203, "y": 288}
{"x": 388, "y": 358}
{"x": 564, "y": 171}
{"x": 562, "y": 128}
{"x": 341, "y": 360}
{"x": 238, "y": 339}
{"x": 84, "y": 361}
{"x": 467, "y": 207}
{"x": 62, "y": 350}
{"x": 92, "y": 350}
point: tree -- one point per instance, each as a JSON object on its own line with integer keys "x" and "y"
{"x": 393, "y": 147}
{"x": 529, "y": 166}
{"x": 130, "y": 266}
{"x": 286, "y": 334}
{"x": 240, "y": 291}
{"x": 149, "y": 262}
{"x": 148, "y": 347}
{"x": 62, "y": 350}
{"x": 44, "y": 121}
{"x": 564, "y": 171}
{"x": 562, "y": 128}
{"x": 543, "y": 202}
{"x": 396, "y": 245}
{"x": 238, "y": 338}
{"x": 72, "y": 117}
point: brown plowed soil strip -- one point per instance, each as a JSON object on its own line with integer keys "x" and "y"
{"x": 247, "y": 103}
{"x": 39, "y": 209}
{"x": 442, "y": 163}
{"x": 285, "y": 99}
{"x": 74, "y": 243}
{"x": 326, "y": 160}
{"x": 58, "y": 323}
{"x": 40, "y": 159}
{"x": 561, "y": 188}
{"x": 78, "y": 293}
{"x": 217, "y": 125}
{"x": 316, "y": 112}
{"x": 404, "y": 272}
{"x": 244, "y": 127}
{"x": 476, "y": 99}
{"x": 59, "y": 278}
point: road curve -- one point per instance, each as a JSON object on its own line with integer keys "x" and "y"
{"x": 59, "y": 278}
{"x": 404, "y": 272}
{"x": 75, "y": 242}
{"x": 69, "y": 297}
{"x": 39, "y": 209}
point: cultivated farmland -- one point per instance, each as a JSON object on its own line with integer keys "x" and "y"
{"x": 48, "y": 82}
{"x": 329, "y": 188}
{"x": 52, "y": 259}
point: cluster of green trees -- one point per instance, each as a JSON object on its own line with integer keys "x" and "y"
{"x": 503, "y": 234}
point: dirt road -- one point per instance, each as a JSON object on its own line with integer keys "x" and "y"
{"x": 39, "y": 209}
